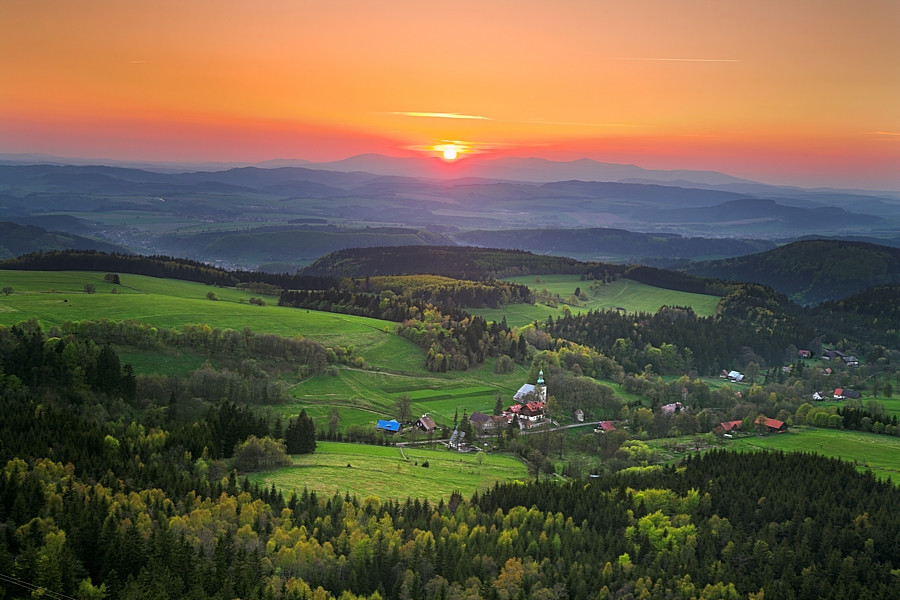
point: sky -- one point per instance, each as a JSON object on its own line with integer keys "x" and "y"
{"x": 804, "y": 92}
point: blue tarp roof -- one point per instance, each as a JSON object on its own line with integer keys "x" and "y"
{"x": 391, "y": 425}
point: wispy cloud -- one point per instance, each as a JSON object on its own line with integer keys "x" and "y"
{"x": 885, "y": 133}
{"x": 577, "y": 123}
{"x": 439, "y": 115}
{"x": 659, "y": 59}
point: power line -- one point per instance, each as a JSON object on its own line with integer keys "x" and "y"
{"x": 32, "y": 587}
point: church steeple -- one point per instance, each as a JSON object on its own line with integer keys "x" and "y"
{"x": 541, "y": 387}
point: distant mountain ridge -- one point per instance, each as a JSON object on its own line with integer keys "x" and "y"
{"x": 811, "y": 271}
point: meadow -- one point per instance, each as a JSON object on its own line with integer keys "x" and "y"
{"x": 392, "y": 472}
{"x": 394, "y": 365}
{"x": 868, "y": 451}
{"x": 622, "y": 293}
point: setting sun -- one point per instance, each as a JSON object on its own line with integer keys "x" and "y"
{"x": 450, "y": 153}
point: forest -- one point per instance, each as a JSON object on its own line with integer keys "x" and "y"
{"x": 123, "y": 485}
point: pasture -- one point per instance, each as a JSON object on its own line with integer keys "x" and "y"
{"x": 632, "y": 296}
{"x": 868, "y": 451}
{"x": 54, "y": 297}
{"x": 391, "y": 472}
{"x": 394, "y": 365}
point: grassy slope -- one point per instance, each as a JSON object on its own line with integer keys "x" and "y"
{"x": 631, "y": 295}
{"x": 363, "y": 395}
{"x": 879, "y": 453}
{"x": 372, "y": 467}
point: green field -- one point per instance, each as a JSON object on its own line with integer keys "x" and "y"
{"x": 891, "y": 405}
{"x": 624, "y": 293}
{"x": 878, "y": 453}
{"x": 394, "y": 365}
{"x": 392, "y": 473}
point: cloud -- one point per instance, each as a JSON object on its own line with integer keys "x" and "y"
{"x": 885, "y": 133}
{"x": 678, "y": 59}
{"x": 438, "y": 115}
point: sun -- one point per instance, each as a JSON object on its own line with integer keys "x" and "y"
{"x": 450, "y": 153}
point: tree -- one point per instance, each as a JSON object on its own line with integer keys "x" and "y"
{"x": 403, "y": 407}
{"x": 256, "y": 453}
{"x": 498, "y": 404}
{"x": 89, "y": 288}
{"x": 211, "y": 296}
{"x": 111, "y": 278}
{"x": 887, "y": 389}
{"x": 7, "y": 290}
{"x": 300, "y": 435}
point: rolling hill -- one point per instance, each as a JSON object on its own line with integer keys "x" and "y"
{"x": 811, "y": 271}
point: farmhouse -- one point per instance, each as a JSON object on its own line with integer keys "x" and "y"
{"x": 484, "y": 422}
{"x": 850, "y": 361}
{"x": 804, "y": 353}
{"x": 670, "y": 409}
{"x": 426, "y": 424}
{"x": 604, "y": 427}
{"x": 389, "y": 427}
{"x": 773, "y": 425}
{"x": 735, "y": 376}
{"x": 841, "y": 393}
{"x": 579, "y": 415}
{"x": 728, "y": 427}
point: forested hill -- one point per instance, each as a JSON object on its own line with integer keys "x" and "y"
{"x": 613, "y": 241}
{"x": 158, "y": 266}
{"x": 811, "y": 271}
{"x": 21, "y": 239}
{"x": 459, "y": 262}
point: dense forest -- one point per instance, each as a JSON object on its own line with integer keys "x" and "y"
{"x": 811, "y": 271}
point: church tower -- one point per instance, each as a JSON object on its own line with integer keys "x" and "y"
{"x": 540, "y": 390}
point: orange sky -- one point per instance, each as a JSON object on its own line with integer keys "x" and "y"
{"x": 787, "y": 91}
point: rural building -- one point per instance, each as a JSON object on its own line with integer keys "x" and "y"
{"x": 604, "y": 427}
{"x": 841, "y": 393}
{"x": 850, "y": 361}
{"x": 735, "y": 376}
{"x": 671, "y": 409}
{"x": 774, "y": 425}
{"x": 728, "y": 427}
{"x": 390, "y": 427}
{"x": 579, "y": 415}
{"x": 818, "y": 396}
{"x": 484, "y": 422}
{"x": 832, "y": 354}
{"x": 539, "y": 390}
{"x": 426, "y": 424}
{"x": 804, "y": 353}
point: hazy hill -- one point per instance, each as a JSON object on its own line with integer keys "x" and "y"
{"x": 18, "y": 239}
{"x": 811, "y": 271}
{"x": 765, "y": 214}
{"x": 295, "y": 244}
{"x": 612, "y": 241}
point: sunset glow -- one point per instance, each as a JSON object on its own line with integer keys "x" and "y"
{"x": 799, "y": 92}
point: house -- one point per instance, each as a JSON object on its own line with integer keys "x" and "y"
{"x": 723, "y": 374}
{"x": 841, "y": 393}
{"x": 818, "y": 396}
{"x": 804, "y": 353}
{"x": 827, "y": 371}
{"x": 390, "y": 427}
{"x": 533, "y": 411}
{"x": 482, "y": 422}
{"x": 735, "y": 376}
{"x": 579, "y": 415}
{"x": 604, "y": 427}
{"x": 728, "y": 427}
{"x": 426, "y": 424}
{"x": 832, "y": 354}
{"x": 773, "y": 425}
{"x": 669, "y": 409}
{"x": 850, "y": 361}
